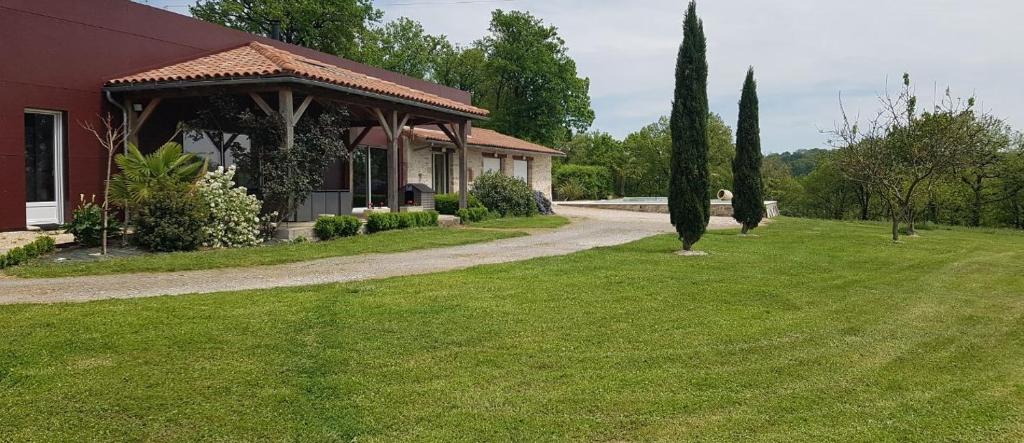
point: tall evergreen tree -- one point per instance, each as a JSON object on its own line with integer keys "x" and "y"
{"x": 748, "y": 203}
{"x": 689, "y": 198}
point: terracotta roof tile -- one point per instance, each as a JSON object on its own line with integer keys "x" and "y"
{"x": 257, "y": 59}
{"x": 480, "y": 137}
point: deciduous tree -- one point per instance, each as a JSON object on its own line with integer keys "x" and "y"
{"x": 331, "y": 26}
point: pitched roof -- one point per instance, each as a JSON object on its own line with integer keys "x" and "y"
{"x": 257, "y": 60}
{"x": 480, "y": 137}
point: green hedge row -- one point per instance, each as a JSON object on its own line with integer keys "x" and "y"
{"x": 578, "y": 182}
{"x": 387, "y": 221}
{"x": 448, "y": 204}
{"x": 334, "y": 226}
{"x": 472, "y": 215}
{"x": 22, "y": 254}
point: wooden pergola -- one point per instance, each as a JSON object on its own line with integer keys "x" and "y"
{"x": 292, "y": 91}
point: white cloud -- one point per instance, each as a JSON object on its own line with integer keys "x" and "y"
{"x": 804, "y": 51}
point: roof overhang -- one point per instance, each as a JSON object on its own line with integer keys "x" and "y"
{"x": 283, "y": 80}
{"x": 496, "y": 149}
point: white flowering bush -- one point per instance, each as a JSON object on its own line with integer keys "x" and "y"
{"x": 234, "y": 214}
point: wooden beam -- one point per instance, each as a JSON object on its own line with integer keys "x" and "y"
{"x": 448, "y": 132}
{"x": 261, "y": 103}
{"x": 354, "y": 143}
{"x": 462, "y": 136}
{"x": 146, "y": 113}
{"x": 286, "y": 107}
{"x": 132, "y": 137}
{"x": 302, "y": 108}
{"x": 383, "y": 122}
{"x": 393, "y": 164}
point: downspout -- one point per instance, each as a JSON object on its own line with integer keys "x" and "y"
{"x": 124, "y": 141}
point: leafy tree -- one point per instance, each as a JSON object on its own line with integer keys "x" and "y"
{"x": 988, "y": 159}
{"x": 650, "y": 152}
{"x": 689, "y": 199}
{"x": 282, "y": 178}
{"x": 902, "y": 153}
{"x": 530, "y": 83}
{"x": 598, "y": 149}
{"x": 403, "y": 46}
{"x": 721, "y": 151}
{"x": 826, "y": 192}
{"x": 748, "y": 203}
{"x": 461, "y": 68}
{"x": 331, "y": 26}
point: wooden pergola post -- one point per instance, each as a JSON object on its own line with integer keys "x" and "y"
{"x": 392, "y": 125}
{"x": 460, "y": 138}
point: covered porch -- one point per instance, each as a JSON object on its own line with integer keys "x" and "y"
{"x": 273, "y": 81}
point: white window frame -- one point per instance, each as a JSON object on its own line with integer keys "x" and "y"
{"x": 526, "y": 169}
{"x": 484, "y": 169}
{"x": 58, "y": 171}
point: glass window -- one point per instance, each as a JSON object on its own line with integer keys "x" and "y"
{"x": 492, "y": 164}
{"x": 369, "y": 178}
{"x": 40, "y": 157}
{"x": 441, "y": 172}
{"x": 379, "y": 177}
{"x": 217, "y": 154}
{"x": 520, "y": 170}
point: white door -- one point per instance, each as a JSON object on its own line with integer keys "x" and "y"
{"x": 44, "y": 167}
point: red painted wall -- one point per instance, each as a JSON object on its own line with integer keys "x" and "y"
{"x": 56, "y": 54}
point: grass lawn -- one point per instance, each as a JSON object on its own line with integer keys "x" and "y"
{"x": 537, "y": 221}
{"x": 813, "y": 331}
{"x": 389, "y": 241}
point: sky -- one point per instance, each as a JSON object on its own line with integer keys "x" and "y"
{"x": 804, "y": 53}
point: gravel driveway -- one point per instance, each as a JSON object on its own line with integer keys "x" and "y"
{"x": 590, "y": 228}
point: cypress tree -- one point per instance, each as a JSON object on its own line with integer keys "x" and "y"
{"x": 748, "y": 202}
{"x": 689, "y": 199}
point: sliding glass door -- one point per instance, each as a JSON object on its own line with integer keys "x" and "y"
{"x": 44, "y": 167}
{"x": 369, "y": 178}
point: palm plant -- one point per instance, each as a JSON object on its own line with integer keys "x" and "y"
{"x": 143, "y": 175}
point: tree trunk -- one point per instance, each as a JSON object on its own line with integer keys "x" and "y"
{"x": 895, "y": 228}
{"x": 106, "y": 205}
{"x": 976, "y": 207}
{"x": 864, "y": 197}
{"x": 910, "y": 217}
{"x": 744, "y": 230}
{"x": 687, "y": 246}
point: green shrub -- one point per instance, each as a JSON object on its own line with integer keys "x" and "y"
{"x": 22, "y": 254}
{"x": 448, "y": 204}
{"x": 509, "y": 196}
{"x": 330, "y": 227}
{"x": 87, "y": 224}
{"x": 387, "y": 221}
{"x": 171, "y": 220}
{"x": 579, "y": 182}
{"x": 472, "y": 215}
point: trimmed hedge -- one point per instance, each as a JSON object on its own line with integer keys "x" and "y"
{"x": 448, "y": 204}
{"x": 387, "y": 221}
{"x": 22, "y": 254}
{"x": 585, "y": 182}
{"x": 479, "y": 214}
{"x": 330, "y": 227}
{"x": 509, "y": 196}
